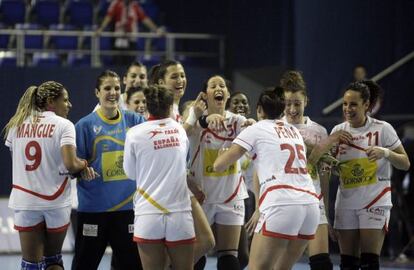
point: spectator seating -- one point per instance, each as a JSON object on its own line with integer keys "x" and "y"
{"x": 46, "y": 12}
{"x": 31, "y": 41}
{"x": 45, "y": 59}
{"x": 12, "y": 11}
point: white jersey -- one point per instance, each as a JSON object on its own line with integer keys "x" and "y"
{"x": 312, "y": 134}
{"x": 219, "y": 187}
{"x": 155, "y": 156}
{"x": 175, "y": 114}
{"x": 40, "y": 179}
{"x": 280, "y": 163}
{"x": 363, "y": 183}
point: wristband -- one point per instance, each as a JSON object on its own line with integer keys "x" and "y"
{"x": 386, "y": 152}
{"x": 191, "y": 119}
{"x": 203, "y": 121}
{"x": 78, "y": 174}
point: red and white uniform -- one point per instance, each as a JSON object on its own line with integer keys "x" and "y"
{"x": 364, "y": 183}
{"x": 313, "y": 133}
{"x": 126, "y": 17}
{"x": 280, "y": 162}
{"x": 219, "y": 187}
{"x": 155, "y": 156}
{"x": 40, "y": 179}
{"x": 176, "y": 114}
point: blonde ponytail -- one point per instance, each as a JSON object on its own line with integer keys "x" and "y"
{"x": 27, "y": 107}
{"x": 33, "y": 101}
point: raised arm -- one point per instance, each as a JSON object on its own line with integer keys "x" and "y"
{"x": 228, "y": 157}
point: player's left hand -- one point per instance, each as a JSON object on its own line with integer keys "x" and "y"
{"x": 374, "y": 153}
{"x": 88, "y": 174}
{"x": 248, "y": 122}
{"x": 252, "y": 223}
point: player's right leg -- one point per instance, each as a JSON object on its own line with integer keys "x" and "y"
{"x": 204, "y": 235}
{"x": 31, "y": 228}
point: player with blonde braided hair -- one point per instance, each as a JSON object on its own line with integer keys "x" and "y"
{"x": 43, "y": 147}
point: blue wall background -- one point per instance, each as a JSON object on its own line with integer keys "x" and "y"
{"x": 322, "y": 38}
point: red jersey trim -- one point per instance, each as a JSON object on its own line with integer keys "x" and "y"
{"x": 36, "y": 227}
{"x": 58, "y": 229}
{"x": 42, "y": 196}
{"x": 265, "y": 232}
{"x": 306, "y": 237}
{"x": 357, "y": 147}
{"x": 236, "y": 191}
{"x": 285, "y": 187}
{"x": 383, "y": 192}
{"x": 148, "y": 241}
{"x": 218, "y": 136}
{"x": 246, "y": 143}
{"x": 180, "y": 242}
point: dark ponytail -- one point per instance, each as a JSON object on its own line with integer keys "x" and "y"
{"x": 159, "y": 100}
{"x": 272, "y": 102}
{"x": 376, "y": 93}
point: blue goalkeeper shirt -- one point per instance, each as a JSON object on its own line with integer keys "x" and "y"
{"x": 101, "y": 142}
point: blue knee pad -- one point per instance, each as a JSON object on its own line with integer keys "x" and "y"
{"x": 31, "y": 265}
{"x": 52, "y": 260}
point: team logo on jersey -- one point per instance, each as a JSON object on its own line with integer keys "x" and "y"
{"x": 112, "y": 166}
{"x": 210, "y": 155}
{"x": 119, "y": 163}
{"x": 97, "y": 129}
{"x": 155, "y": 133}
{"x": 358, "y": 172}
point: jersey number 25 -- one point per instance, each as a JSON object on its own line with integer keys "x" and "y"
{"x": 294, "y": 152}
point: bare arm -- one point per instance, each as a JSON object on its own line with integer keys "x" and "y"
{"x": 72, "y": 163}
{"x": 256, "y": 189}
{"x": 194, "y": 113}
{"x": 397, "y": 157}
{"x": 104, "y": 23}
{"x": 150, "y": 24}
{"x": 326, "y": 144}
{"x": 228, "y": 157}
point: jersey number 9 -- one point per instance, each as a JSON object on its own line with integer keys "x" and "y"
{"x": 34, "y": 155}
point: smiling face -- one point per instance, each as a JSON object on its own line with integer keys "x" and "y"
{"x": 108, "y": 93}
{"x": 354, "y": 108}
{"x": 295, "y": 107}
{"x": 136, "y": 76}
{"x": 61, "y": 105}
{"x": 239, "y": 104}
{"x": 217, "y": 93}
{"x": 175, "y": 80}
{"x": 137, "y": 103}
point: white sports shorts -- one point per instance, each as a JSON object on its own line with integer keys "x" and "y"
{"x": 376, "y": 217}
{"x": 289, "y": 221}
{"x": 55, "y": 220}
{"x": 231, "y": 213}
{"x": 170, "y": 229}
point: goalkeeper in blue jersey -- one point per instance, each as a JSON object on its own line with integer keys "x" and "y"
{"x": 105, "y": 211}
